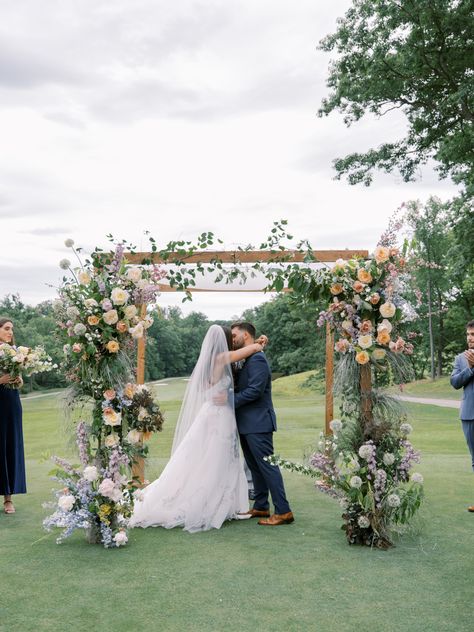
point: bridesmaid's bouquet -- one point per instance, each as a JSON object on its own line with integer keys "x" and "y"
{"x": 18, "y": 361}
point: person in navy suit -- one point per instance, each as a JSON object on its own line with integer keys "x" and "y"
{"x": 463, "y": 377}
{"x": 256, "y": 423}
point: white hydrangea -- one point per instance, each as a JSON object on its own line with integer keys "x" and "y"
{"x": 366, "y": 452}
{"x": 90, "y": 473}
{"x": 389, "y": 458}
{"x": 72, "y": 312}
{"x": 80, "y": 329}
{"x": 393, "y": 500}
{"x": 405, "y": 429}
{"x": 363, "y": 522}
{"x": 356, "y": 482}
{"x": 416, "y": 477}
{"x": 66, "y": 502}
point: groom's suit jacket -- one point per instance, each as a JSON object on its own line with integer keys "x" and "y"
{"x": 463, "y": 377}
{"x": 253, "y": 396}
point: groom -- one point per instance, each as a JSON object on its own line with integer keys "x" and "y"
{"x": 256, "y": 423}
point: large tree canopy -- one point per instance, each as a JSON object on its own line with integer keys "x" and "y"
{"x": 416, "y": 56}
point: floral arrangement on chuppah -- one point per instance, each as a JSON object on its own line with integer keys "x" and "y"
{"x": 99, "y": 317}
{"x": 366, "y": 462}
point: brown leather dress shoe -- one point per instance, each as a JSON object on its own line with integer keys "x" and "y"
{"x": 278, "y": 519}
{"x": 471, "y": 508}
{"x": 256, "y": 513}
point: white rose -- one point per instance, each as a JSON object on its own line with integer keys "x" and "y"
{"x": 379, "y": 354}
{"x": 119, "y": 296}
{"x": 365, "y": 342}
{"x": 111, "y": 440}
{"x": 90, "y": 473}
{"x": 346, "y": 325}
{"x": 385, "y": 324}
{"x": 387, "y": 310}
{"x": 91, "y": 302}
{"x": 137, "y": 331}
{"x": 84, "y": 277}
{"x": 143, "y": 283}
{"x": 130, "y": 312}
{"x": 66, "y": 502}
{"x": 148, "y": 322}
{"x": 110, "y": 317}
{"x": 134, "y": 274}
{"x": 120, "y": 538}
{"x": 388, "y": 458}
{"x": 142, "y": 413}
{"x": 134, "y": 436}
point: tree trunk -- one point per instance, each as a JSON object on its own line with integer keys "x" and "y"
{"x": 430, "y": 329}
{"x": 366, "y": 397}
{"x": 440, "y": 335}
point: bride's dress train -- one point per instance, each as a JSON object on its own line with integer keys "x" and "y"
{"x": 204, "y": 482}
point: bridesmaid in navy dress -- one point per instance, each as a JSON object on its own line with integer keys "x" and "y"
{"x": 12, "y": 459}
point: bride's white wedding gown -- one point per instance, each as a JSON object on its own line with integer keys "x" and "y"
{"x": 204, "y": 482}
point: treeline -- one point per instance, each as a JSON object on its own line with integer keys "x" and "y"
{"x": 174, "y": 340}
{"x": 439, "y": 242}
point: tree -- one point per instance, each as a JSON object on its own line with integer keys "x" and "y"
{"x": 416, "y": 56}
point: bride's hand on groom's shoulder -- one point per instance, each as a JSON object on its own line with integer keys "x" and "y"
{"x": 262, "y": 341}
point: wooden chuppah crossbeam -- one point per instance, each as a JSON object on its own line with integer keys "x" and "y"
{"x": 244, "y": 256}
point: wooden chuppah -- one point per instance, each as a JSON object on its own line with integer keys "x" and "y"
{"x": 242, "y": 257}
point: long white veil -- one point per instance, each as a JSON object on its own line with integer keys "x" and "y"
{"x": 211, "y": 375}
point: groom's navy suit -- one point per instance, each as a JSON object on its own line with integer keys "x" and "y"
{"x": 256, "y": 422}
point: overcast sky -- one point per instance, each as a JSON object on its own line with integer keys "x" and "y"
{"x": 120, "y": 116}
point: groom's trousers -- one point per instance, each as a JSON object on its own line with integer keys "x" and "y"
{"x": 266, "y": 477}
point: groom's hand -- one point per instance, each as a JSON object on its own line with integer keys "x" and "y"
{"x": 469, "y": 354}
{"x": 220, "y": 399}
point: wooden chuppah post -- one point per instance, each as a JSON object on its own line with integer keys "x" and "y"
{"x": 138, "y": 466}
{"x": 329, "y": 378}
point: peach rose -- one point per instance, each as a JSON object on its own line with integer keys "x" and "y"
{"x": 336, "y": 289}
{"x": 358, "y": 286}
{"x": 110, "y": 394}
{"x": 387, "y": 310}
{"x": 339, "y": 264}
{"x": 362, "y": 357}
{"x": 364, "y": 275}
{"x": 121, "y": 326}
{"x": 383, "y": 337}
{"x": 93, "y": 320}
{"x": 77, "y": 347}
{"x": 129, "y": 390}
{"x": 111, "y": 417}
{"x": 112, "y": 346}
{"x": 394, "y": 252}
{"x": 365, "y": 327}
{"x": 374, "y": 298}
{"x": 111, "y": 440}
{"x": 381, "y": 254}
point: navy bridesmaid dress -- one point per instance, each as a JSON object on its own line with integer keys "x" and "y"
{"x": 12, "y": 458}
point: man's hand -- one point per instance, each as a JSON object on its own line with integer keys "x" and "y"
{"x": 469, "y": 355}
{"x": 220, "y": 399}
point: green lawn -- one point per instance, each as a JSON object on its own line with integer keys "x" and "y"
{"x": 245, "y": 577}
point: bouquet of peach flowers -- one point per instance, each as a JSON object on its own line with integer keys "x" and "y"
{"x": 18, "y": 361}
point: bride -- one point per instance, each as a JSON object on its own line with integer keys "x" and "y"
{"x": 204, "y": 482}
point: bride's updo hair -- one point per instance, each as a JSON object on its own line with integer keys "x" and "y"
{"x": 228, "y": 336}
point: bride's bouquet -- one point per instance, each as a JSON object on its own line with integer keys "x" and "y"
{"x": 18, "y": 361}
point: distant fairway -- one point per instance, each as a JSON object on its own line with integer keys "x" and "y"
{"x": 300, "y": 577}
